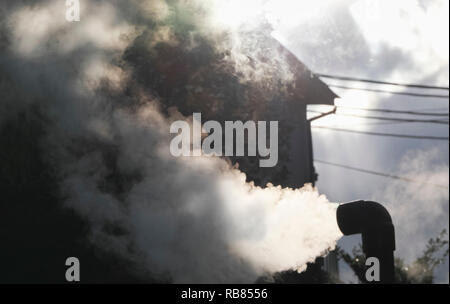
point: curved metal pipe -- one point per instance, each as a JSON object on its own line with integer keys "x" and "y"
{"x": 374, "y": 222}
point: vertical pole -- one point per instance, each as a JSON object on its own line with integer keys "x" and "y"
{"x": 312, "y": 170}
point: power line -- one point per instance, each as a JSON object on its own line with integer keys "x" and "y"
{"x": 395, "y": 111}
{"x": 382, "y": 134}
{"x": 382, "y": 123}
{"x": 385, "y": 123}
{"x": 419, "y": 86}
{"x": 435, "y": 121}
{"x": 390, "y": 111}
{"x": 433, "y": 109}
{"x": 406, "y": 179}
{"x": 389, "y": 92}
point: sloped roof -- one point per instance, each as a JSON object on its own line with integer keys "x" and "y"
{"x": 199, "y": 79}
{"x": 308, "y": 88}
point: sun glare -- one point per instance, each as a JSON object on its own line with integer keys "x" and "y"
{"x": 235, "y": 13}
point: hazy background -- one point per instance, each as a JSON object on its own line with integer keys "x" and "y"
{"x": 402, "y": 41}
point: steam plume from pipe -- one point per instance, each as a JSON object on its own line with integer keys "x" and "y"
{"x": 190, "y": 220}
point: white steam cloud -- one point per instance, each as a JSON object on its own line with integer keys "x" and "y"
{"x": 187, "y": 220}
{"x": 196, "y": 218}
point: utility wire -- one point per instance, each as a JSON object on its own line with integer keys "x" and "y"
{"x": 385, "y": 123}
{"x": 382, "y": 123}
{"x": 390, "y": 111}
{"x": 382, "y": 134}
{"x": 419, "y": 86}
{"x": 435, "y": 121}
{"x": 406, "y": 179}
{"x": 389, "y": 92}
{"x": 395, "y": 111}
{"x": 434, "y": 109}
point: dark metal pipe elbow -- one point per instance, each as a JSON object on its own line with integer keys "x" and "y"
{"x": 374, "y": 223}
{"x": 356, "y": 217}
